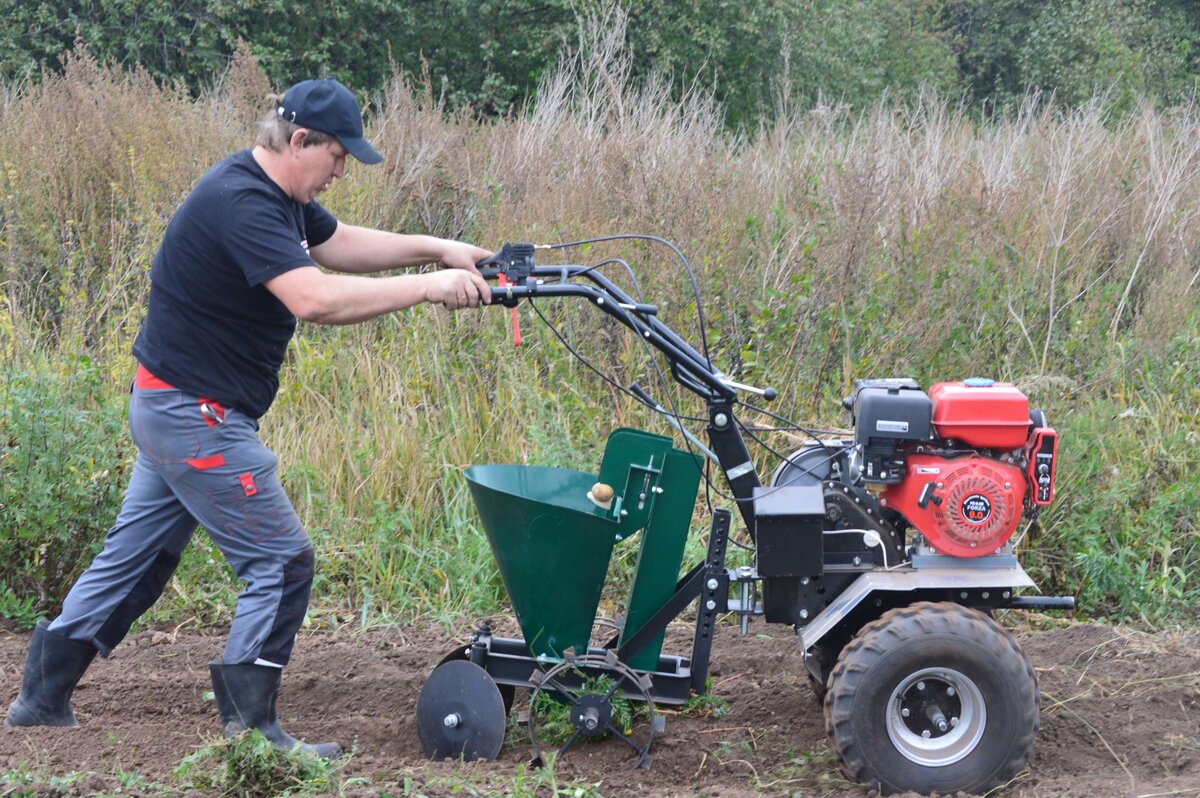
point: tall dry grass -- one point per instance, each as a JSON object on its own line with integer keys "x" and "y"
{"x": 1057, "y": 249}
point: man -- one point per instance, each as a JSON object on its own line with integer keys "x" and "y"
{"x": 236, "y": 269}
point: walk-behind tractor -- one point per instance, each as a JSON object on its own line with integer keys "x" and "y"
{"x": 886, "y": 549}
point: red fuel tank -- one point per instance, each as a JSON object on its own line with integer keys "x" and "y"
{"x": 982, "y": 413}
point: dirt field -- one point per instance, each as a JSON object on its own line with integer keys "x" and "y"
{"x": 1120, "y": 717}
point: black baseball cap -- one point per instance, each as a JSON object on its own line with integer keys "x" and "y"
{"x": 329, "y": 107}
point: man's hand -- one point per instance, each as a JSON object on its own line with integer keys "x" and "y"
{"x": 461, "y": 255}
{"x": 458, "y": 286}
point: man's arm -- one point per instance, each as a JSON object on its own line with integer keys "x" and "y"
{"x": 313, "y": 295}
{"x": 359, "y": 250}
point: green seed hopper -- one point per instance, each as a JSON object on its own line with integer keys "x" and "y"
{"x": 553, "y": 538}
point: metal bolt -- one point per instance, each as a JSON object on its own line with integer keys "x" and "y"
{"x": 804, "y": 580}
{"x": 953, "y": 722}
{"x": 712, "y": 584}
{"x": 1007, "y": 594}
{"x": 803, "y": 613}
{"x": 921, "y": 685}
{"x": 986, "y": 594}
{"x": 962, "y": 594}
{"x": 710, "y": 604}
{"x": 720, "y": 420}
{"x": 950, "y": 691}
{"x": 926, "y": 734}
{"x": 599, "y": 300}
{"x": 904, "y": 713}
{"x": 658, "y": 489}
{"x": 857, "y": 560}
{"x": 452, "y": 720}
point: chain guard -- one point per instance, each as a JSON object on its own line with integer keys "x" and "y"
{"x": 851, "y": 507}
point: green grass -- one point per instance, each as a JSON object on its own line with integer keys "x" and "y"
{"x": 1052, "y": 249}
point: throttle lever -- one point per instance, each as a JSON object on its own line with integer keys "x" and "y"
{"x": 516, "y": 321}
{"x": 513, "y": 260}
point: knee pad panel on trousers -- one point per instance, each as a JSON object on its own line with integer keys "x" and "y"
{"x": 141, "y": 598}
{"x": 293, "y": 604}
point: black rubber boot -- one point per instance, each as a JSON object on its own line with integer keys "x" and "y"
{"x": 52, "y": 669}
{"x": 246, "y": 700}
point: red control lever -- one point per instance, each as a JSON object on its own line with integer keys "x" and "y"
{"x": 516, "y": 322}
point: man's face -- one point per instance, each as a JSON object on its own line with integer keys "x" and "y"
{"x": 317, "y": 166}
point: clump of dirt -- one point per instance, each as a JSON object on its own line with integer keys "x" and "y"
{"x": 1120, "y": 716}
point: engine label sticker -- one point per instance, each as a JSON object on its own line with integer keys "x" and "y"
{"x": 891, "y": 426}
{"x": 976, "y": 508}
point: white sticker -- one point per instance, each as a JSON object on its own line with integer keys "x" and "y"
{"x": 928, "y": 470}
{"x": 891, "y": 426}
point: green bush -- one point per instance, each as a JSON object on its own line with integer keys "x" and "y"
{"x": 63, "y": 457}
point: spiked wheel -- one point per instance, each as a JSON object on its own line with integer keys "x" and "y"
{"x": 588, "y": 686}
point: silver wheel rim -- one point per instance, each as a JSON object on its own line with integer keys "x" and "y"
{"x": 936, "y": 717}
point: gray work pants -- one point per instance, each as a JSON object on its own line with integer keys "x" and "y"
{"x": 197, "y": 463}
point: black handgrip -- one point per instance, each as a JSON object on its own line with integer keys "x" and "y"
{"x": 638, "y": 391}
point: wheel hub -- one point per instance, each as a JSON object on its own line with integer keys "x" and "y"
{"x": 936, "y": 717}
{"x": 592, "y": 715}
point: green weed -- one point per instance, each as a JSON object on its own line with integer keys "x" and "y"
{"x": 248, "y": 766}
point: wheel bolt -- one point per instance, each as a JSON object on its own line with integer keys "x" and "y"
{"x": 950, "y": 691}
{"x": 452, "y": 720}
{"x": 921, "y": 686}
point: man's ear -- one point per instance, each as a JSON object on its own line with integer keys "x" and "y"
{"x": 298, "y": 140}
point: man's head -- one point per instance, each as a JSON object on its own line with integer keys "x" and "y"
{"x": 323, "y": 107}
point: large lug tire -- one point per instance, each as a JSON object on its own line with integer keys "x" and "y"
{"x": 934, "y": 697}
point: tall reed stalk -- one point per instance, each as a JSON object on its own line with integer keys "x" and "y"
{"x": 1055, "y": 249}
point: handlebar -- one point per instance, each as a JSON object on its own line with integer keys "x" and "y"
{"x": 524, "y": 279}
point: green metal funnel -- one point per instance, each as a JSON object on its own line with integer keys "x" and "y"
{"x": 552, "y": 546}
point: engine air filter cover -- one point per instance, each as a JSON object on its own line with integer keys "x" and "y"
{"x": 964, "y": 506}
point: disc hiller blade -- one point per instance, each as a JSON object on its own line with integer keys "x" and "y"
{"x": 460, "y": 713}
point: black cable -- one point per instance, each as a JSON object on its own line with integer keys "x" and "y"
{"x": 687, "y": 267}
{"x": 637, "y": 288}
{"x": 673, "y": 412}
{"x": 786, "y": 458}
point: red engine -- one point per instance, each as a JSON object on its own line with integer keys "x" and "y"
{"x": 962, "y": 463}
{"x": 966, "y": 506}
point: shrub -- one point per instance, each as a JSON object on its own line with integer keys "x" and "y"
{"x": 63, "y": 458}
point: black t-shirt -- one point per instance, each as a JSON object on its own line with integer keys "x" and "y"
{"x": 212, "y": 329}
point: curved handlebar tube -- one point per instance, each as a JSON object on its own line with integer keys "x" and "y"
{"x": 689, "y": 368}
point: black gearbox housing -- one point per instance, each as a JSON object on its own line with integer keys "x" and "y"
{"x": 886, "y": 413}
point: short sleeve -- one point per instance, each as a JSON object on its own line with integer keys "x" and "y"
{"x": 319, "y": 223}
{"x": 265, "y": 238}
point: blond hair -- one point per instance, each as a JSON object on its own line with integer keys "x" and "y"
{"x": 274, "y": 132}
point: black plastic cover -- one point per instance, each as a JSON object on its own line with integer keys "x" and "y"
{"x": 891, "y": 410}
{"x": 789, "y": 523}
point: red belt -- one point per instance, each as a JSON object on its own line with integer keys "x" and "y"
{"x": 213, "y": 411}
{"x": 145, "y": 379}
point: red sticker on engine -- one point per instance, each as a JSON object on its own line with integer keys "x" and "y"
{"x": 248, "y": 484}
{"x": 976, "y": 508}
